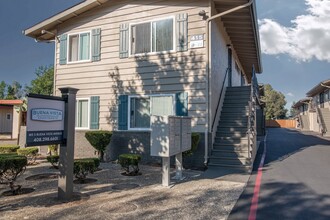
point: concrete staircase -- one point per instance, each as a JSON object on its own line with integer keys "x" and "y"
{"x": 326, "y": 118}
{"x": 230, "y": 149}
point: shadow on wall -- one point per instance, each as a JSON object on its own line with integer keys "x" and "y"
{"x": 164, "y": 73}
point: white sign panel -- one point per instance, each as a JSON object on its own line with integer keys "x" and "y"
{"x": 45, "y": 120}
{"x": 46, "y": 114}
{"x": 197, "y": 41}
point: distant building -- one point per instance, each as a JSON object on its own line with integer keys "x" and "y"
{"x": 314, "y": 111}
{"x": 10, "y": 117}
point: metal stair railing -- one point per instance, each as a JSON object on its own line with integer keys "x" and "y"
{"x": 252, "y": 117}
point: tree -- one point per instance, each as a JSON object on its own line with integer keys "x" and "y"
{"x": 14, "y": 91}
{"x": 44, "y": 82}
{"x": 293, "y": 111}
{"x": 275, "y": 103}
{"x": 3, "y": 87}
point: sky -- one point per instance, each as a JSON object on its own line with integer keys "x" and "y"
{"x": 294, "y": 37}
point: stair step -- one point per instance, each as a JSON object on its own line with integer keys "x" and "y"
{"x": 232, "y": 128}
{"x": 228, "y": 153}
{"x": 231, "y": 125}
{"x": 238, "y": 88}
{"x": 240, "y": 169}
{"x": 230, "y": 140}
{"x": 233, "y": 114}
{"x": 223, "y": 145}
{"x": 232, "y": 159}
{"x": 234, "y": 111}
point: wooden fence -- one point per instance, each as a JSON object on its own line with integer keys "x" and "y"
{"x": 280, "y": 123}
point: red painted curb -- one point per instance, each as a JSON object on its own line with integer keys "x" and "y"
{"x": 255, "y": 198}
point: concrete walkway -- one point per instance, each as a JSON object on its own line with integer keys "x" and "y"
{"x": 295, "y": 180}
{"x": 141, "y": 197}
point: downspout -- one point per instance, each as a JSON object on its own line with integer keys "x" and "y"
{"x": 208, "y": 50}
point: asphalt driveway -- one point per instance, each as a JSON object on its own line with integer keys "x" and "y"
{"x": 295, "y": 181}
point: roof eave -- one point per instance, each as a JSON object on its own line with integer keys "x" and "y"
{"x": 50, "y": 24}
{"x": 318, "y": 88}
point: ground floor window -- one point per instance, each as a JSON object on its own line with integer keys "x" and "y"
{"x": 141, "y": 108}
{"x": 82, "y": 120}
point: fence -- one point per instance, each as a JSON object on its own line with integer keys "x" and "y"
{"x": 280, "y": 123}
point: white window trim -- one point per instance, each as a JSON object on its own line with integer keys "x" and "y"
{"x": 151, "y": 53}
{"x": 145, "y": 96}
{"x": 90, "y": 47}
{"x": 89, "y": 113}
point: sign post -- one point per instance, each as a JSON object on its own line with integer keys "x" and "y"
{"x": 65, "y": 181}
{"x": 51, "y": 120}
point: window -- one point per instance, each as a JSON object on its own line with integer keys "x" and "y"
{"x": 141, "y": 108}
{"x": 8, "y": 116}
{"x": 79, "y": 47}
{"x": 155, "y": 36}
{"x": 82, "y": 120}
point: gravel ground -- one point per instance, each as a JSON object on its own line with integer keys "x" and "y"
{"x": 193, "y": 198}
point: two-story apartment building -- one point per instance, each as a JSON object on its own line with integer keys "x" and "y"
{"x": 320, "y": 102}
{"x": 132, "y": 59}
{"x": 314, "y": 111}
{"x": 304, "y": 111}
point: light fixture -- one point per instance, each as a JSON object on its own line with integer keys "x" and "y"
{"x": 47, "y": 32}
{"x": 202, "y": 13}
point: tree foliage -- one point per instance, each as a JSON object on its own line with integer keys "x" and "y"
{"x": 3, "y": 87}
{"x": 293, "y": 111}
{"x": 44, "y": 81}
{"x": 11, "y": 91}
{"x": 275, "y": 103}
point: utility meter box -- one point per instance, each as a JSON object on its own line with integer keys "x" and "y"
{"x": 170, "y": 135}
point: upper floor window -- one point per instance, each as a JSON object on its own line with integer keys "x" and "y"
{"x": 154, "y": 36}
{"x": 79, "y": 47}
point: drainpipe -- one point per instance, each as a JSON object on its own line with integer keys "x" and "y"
{"x": 208, "y": 50}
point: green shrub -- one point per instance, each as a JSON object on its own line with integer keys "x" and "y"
{"x": 30, "y": 152}
{"x": 12, "y": 166}
{"x": 52, "y": 150}
{"x": 130, "y": 160}
{"x": 82, "y": 167}
{"x": 54, "y": 160}
{"x": 99, "y": 140}
{"x": 195, "y": 138}
{"x": 8, "y": 149}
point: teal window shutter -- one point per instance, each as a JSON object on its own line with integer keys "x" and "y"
{"x": 96, "y": 44}
{"x": 63, "y": 48}
{"x": 95, "y": 106}
{"x": 181, "y": 104}
{"x": 123, "y": 40}
{"x": 123, "y": 112}
{"x": 182, "y": 32}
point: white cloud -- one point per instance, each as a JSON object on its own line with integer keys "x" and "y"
{"x": 308, "y": 38}
{"x": 290, "y": 94}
